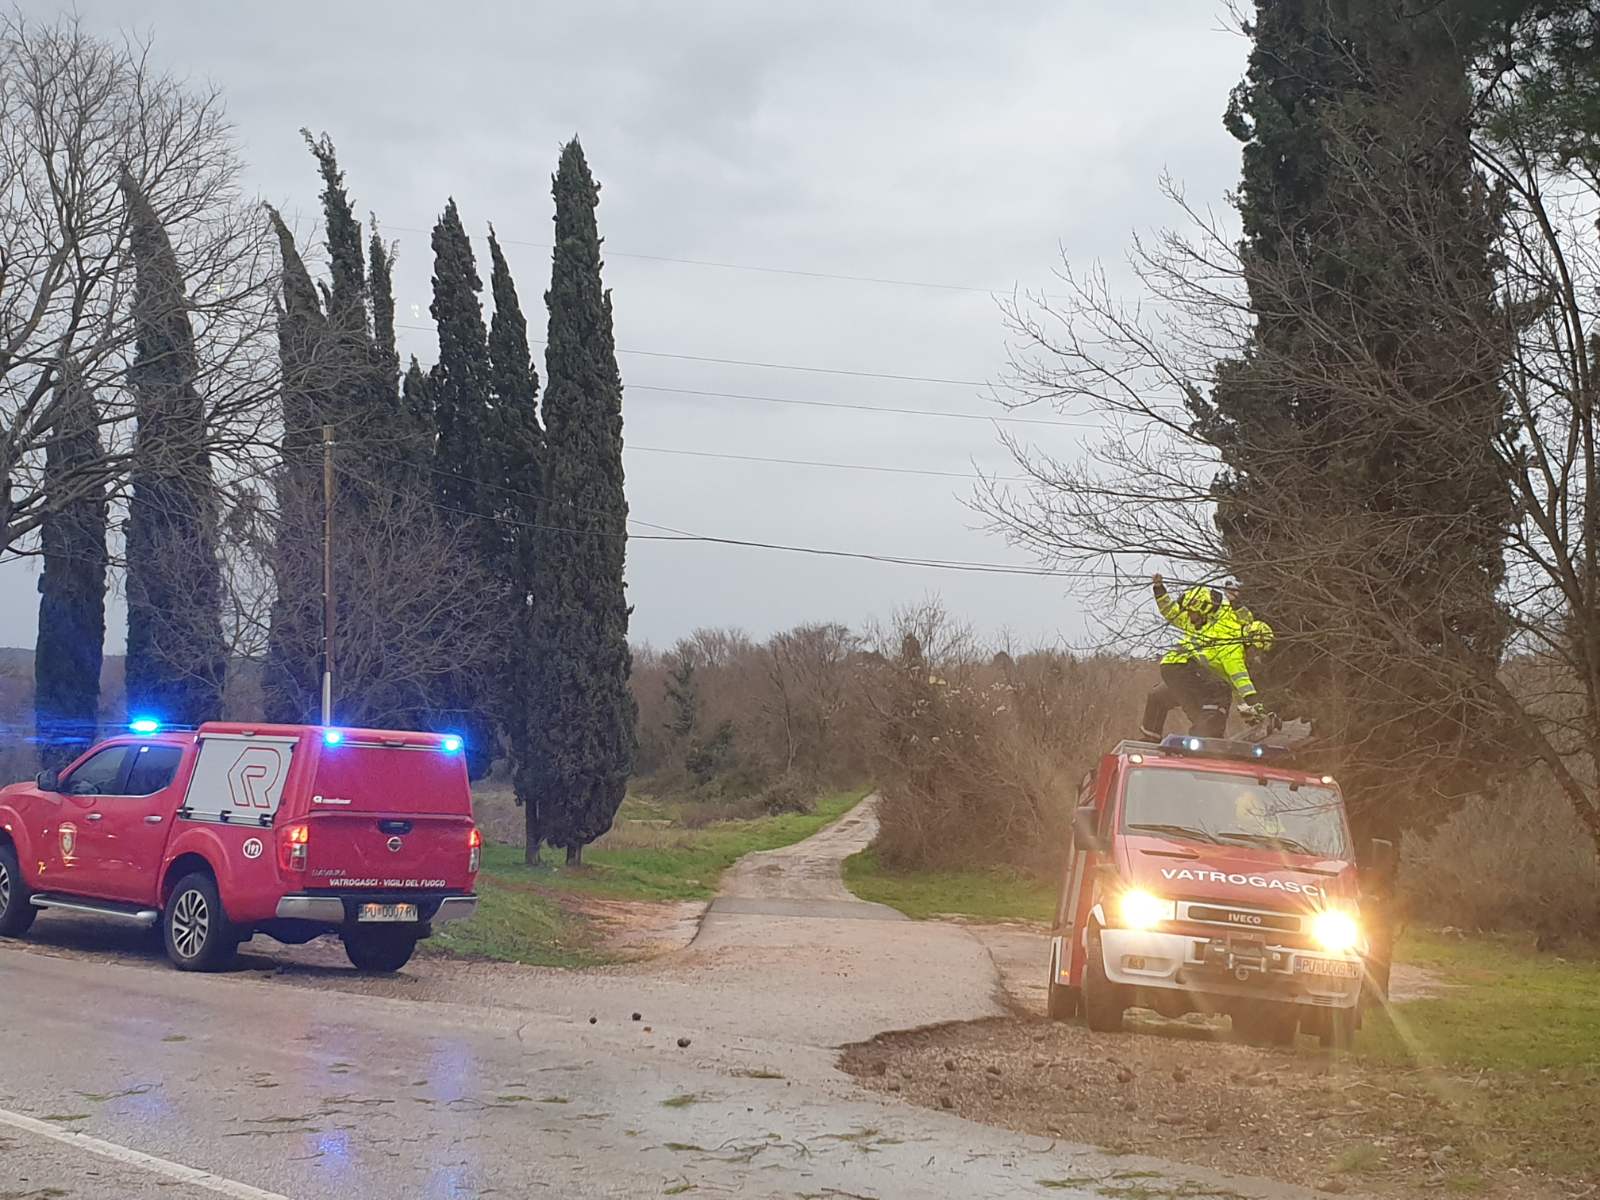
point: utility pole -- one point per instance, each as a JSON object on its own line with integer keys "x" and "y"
{"x": 327, "y": 574}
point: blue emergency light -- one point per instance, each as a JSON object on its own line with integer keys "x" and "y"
{"x": 1189, "y": 745}
{"x": 332, "y": 737}
{"x": 450, "y": 744}
{"x": 144, "y": 725}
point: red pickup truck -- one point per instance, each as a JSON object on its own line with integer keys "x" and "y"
{"x": 1208, "y": 875}
{"x": 220, "y": 833}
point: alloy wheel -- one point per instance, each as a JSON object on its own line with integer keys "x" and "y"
{"x": 191, "y": 921}
{"x": 5, "y": 887}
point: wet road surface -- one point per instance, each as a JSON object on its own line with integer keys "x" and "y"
{"x": 456, "y": 1081}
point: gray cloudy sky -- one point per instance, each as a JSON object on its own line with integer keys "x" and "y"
{"x": 939, "y": 142}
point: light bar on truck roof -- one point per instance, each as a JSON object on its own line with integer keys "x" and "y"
{"x": 1198, "y": 747}
{"x": 144, "y": 725}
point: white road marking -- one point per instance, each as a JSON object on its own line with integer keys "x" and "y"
{"x": 137, "y": 1158}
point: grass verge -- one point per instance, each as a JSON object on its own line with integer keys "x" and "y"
{"x": 1506, "y": 1061}
{"x": 647, "y": 856}
{"x": 983, "y": 895}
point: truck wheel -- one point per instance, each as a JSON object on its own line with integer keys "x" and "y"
{"x": 1103, "y": 1001}
{"x": 1338, "y": 1028}
{"x": 195, "y": 927}
{"x": 1267, "y": 1023}
{"x": 16, "y": 908}
{"x": 379, "y": 951}
{"x": 1061, "y": 1000}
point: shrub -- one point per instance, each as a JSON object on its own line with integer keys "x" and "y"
{"x": 979, "y": 755}
{"x": 788, "y": 794}
{"x": 1519, "y": 860}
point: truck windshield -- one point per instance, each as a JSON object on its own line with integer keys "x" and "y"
{"x": 1235, "y": 810}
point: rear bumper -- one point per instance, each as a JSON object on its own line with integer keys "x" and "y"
{"x": 331, "y": 910}
{"x": 1151, "y": 959}
{"x": 455, "y": 908}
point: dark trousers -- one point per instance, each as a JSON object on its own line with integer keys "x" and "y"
{"x": 1203, "y": 697}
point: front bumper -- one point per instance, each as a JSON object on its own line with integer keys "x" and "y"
{"x": 1224, "y": 967}
{"x": 332, "y": 910}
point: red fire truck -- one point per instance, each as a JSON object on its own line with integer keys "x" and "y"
{"x": 293, "y": 831}
{"x": 1212, "y": 876}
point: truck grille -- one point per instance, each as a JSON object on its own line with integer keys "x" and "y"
{"x": 1242, "y": 918}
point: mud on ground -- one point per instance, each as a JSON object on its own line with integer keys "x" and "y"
{"x": 1184, "y": 1091}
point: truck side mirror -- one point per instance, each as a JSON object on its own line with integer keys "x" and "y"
{"x": 48, "y": 781}
{"x": 1084, "y": 829}
{"x": 1382, "y": 862}
{"x": 1381, "y": 856}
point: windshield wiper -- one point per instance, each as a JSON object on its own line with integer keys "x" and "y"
{"x": 1182, "y": 831}
{"x": 1269, "y": 839}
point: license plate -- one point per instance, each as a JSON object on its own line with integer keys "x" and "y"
{"x": 1338, "y": 968}
{"x": 387, "y": 912}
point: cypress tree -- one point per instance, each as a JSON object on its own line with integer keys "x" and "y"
{"x": 176, "y": 659}
{"x": 581, "y": 716}
{"x": 347, "y": 292}
{"x": 72, "y": 611}
{"x": 462, "y": 396}
{"x": 382, "y": 291}
{"x": 1346, "y": 503}
{"x": 519, "y": 445}
{"x": 290, "y": 678}
{"x": 417, "y": 419}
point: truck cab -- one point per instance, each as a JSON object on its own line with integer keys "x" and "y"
{"x": 1210, "y": 876}
{"x": 220, "y": 833}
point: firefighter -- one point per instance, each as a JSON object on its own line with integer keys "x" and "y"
{"x": 1185, "y": 679}
{"x": 1209, "y": 664}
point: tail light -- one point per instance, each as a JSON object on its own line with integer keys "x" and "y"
{"x": 474, "y": 848}
{"x": 293, "y": 843}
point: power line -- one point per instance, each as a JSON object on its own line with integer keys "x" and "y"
{"x": 763, "y": 270}
{"x": 839, "y": 466}
{"x": 768, "y": 366}
{"x": 878, "y": 408}
{"x": 669, "y": 533}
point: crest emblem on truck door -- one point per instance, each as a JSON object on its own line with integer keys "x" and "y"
{"x": 69, "y": 841}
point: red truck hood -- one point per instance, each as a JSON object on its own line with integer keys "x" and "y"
{"x": 1257, "y": 878}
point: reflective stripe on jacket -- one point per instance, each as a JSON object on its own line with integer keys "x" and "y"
{"x": 1221, "y": 647}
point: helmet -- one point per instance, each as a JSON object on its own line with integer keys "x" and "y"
{"x": 1201, "y": 603}
{"x": 1258, "y": 635}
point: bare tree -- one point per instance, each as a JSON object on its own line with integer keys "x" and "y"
{"x": 413, "y": 606}
{"x": 808, "y": 672}
{"x": 77, "y": 115}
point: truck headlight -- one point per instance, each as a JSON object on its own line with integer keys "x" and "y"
{"x": 1139, "y": 909}
{"x": 1335, "y": 931}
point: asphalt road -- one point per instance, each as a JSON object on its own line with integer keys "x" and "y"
{"x": 293, "y": 1078}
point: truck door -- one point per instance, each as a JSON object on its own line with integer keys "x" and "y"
{"x": 1077, "y": 901}
{"x": 67, "y": 844}
{"x": 1068, "y": 950}
{"x": 130, "y": 839}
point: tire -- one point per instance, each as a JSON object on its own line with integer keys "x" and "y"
{"x": 195, "y": 927}
{"x": 1267, "y": 1023}
{"x": 1338, "y": 1029}
{"x": 1061, "y": 1000}
{"x": 379, "y": 951}
{"x": 16, "y": 907}
{"x": 1103, "y": 1001}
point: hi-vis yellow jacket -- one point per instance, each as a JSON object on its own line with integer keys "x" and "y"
{"x": 1212, "y": 634}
